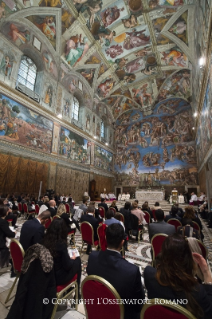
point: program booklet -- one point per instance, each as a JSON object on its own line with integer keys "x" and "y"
{"x": 72, "y": 252}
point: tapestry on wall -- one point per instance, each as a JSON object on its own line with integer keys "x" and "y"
{"x": 19, "y": 124}
{"x": 103, "y": 159}
{"x": 74, "y": 147}
{"x": 158, "y": 149}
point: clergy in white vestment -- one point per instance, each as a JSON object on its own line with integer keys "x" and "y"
{"x": 127, "y": 197}
{"x": 193, "y": 198}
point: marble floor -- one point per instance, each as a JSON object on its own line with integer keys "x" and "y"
{"x": 139, "y": 254}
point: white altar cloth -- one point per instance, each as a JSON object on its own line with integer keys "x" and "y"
{"x": 145, "y": 195}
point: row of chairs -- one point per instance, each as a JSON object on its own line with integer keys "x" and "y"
{"x": 24, "y": 208}
{"x": 96, "y": 288}
{"x": 157, "y": 242}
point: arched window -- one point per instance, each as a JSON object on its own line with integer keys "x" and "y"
{"x": 27, "y": 73}
{"x": 75, "y": 109}
{"x": 102, "y": 129}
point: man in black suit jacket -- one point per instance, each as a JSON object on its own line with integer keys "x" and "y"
{"x": 103, "y": 204}
{"x": 122, "y": 275}
{"x": 89, "y": 217}
{"x": 32, "y": 231}
{"x": 52, "y": 208}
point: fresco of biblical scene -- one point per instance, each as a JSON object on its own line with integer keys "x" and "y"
{"x": 88, "y": 74}
{"x": 158, "y": 25}
{"x": 127, "y": 42}
{"x": 66, "y": 108}
{"x": 75, "y": 49}
{"x": 74, "y": 147}
{"x": 6, "y": 8}
{"x": 67, "y": 19}
{"x": 155, "y": 4}
{"x": 161, "y": 80}
{"x": 49, "y": 63}
{"x": 178, "y": 84}
{"x": 103, "y": 159}
{"x": 105, "y": 86}
{"x": 89, "y": 9}
{"x": 6, "y": 64}
{"x": 19, "y": 124}
{"x": 130, "y": 22}
{"x": 179, "y": 28}
{"x": 113, "y": 13}
{"x": 143, "y": 95}
{"x": 174, "y": 56}
{"x": 47, "y": 25}
{"x": 158, "y": 149}
{"x": 16, "y": 32}
{"x": 205, "y": 127}
{"x": 51, "y": 3}
{"x": 48, "y": 99}
{"x": 121, "y": 105}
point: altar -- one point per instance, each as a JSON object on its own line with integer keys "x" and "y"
{"x": 147, "y": 195}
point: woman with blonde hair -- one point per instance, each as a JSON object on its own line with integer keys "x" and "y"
{"x": 113, "y": 204}
{"x": 61, "y": 212}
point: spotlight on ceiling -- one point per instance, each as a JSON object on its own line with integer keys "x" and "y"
{"x": 95, "y": 137}
{"x": 195, "y": 114}
{"x": 201, "y": 62}
{"x": 193, "y": 128}
{"x": 106, "y": 144}
{"x": 60, "y": 116}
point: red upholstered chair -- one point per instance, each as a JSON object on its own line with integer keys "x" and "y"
{"x": 65, "y": 289}
{"x": 55, "y": 217}
{"x": 71, "y": 235}
{"x": 101, "y": 231}
{"x": 17, "y": 254}
{"x": 97, "y": 288}
{"x": 47, "y": 224}
{"x": 26, "y": 212}
{"x": 162, "y": 309}
{"x": 88, "y": 235}
{"x": 147, "y": 217}
{"x": 101, "y": 211}
{"x": 67, "y": 208}
{"x": 37, "y": 208}
{"x": 195, "y": 226}
{"x": 122, "y": 217}
{"x": 153, "y": 214}
{"x": 20, "y": 208}
{"x": 156, "y": 242}
{"x": 113, "y": 209}
{"x": 175, "y": 222}
{"x": 203, "y": 249}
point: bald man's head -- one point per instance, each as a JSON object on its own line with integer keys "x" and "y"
{"x": 52, "y": 203}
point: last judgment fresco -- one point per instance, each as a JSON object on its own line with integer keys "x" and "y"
{"x": 156, "y": 150}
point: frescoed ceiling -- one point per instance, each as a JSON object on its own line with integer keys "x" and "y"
{"x": 132, "y": 54}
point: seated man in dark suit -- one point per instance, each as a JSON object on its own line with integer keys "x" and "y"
{"x": 32, "y": 231}
{"x": 160, "y": 227}
{"x": 122, "y": 275}
{"x": 52, "y": 208}
{"x": 103, "y": 204}
{"x": 89, "y": 217}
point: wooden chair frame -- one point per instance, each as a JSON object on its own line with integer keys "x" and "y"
{"x": 92, "y": 237}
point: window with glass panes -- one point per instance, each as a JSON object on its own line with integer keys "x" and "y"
{"x": 102, "y": 129}
{"x": 75, "y": 109}
{"x": 27, "y": 73}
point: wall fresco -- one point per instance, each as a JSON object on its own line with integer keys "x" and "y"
{"x": 103, "y": 159}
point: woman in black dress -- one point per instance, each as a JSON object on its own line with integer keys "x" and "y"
{"x": 65, "y": 267}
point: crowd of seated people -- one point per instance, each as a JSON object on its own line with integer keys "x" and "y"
{"x": 165, "y": 281}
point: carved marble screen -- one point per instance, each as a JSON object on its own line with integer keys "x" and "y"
{"x": 21, "y": 125}
{"x": 103, "y": 159}
{"x": 74, "y": 147}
